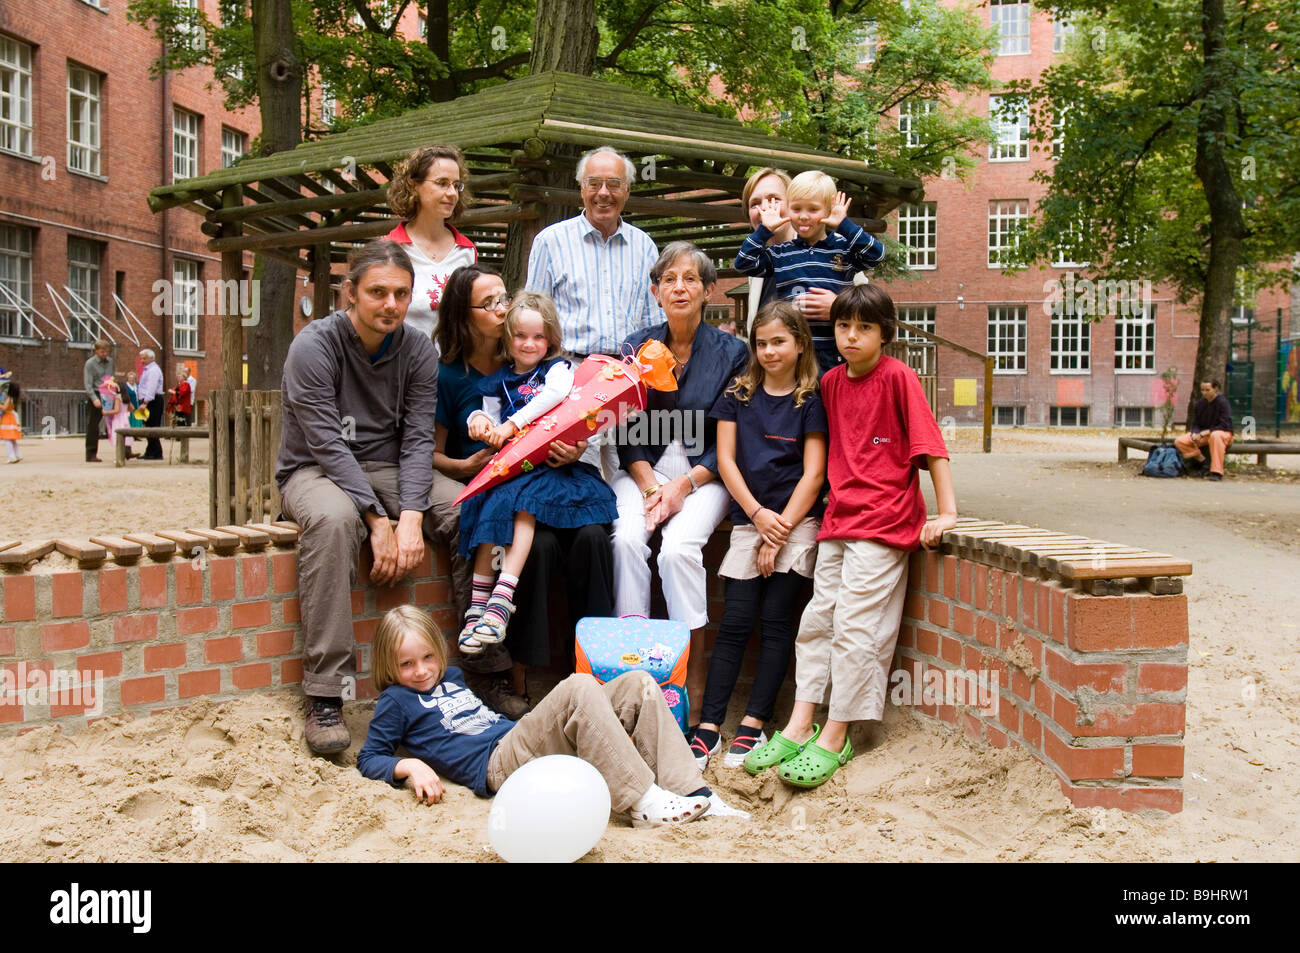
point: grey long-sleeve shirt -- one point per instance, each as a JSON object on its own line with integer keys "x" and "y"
{"x": 94, "y": 372}
{"x": 340, "y": 409}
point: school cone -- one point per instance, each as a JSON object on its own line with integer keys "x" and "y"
{"x": 605, "y": 391}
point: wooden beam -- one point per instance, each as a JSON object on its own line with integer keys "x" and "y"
{"x": 232, "y": 269}
{"x": 662, "y": 207}
{"x": 322, "y": 293}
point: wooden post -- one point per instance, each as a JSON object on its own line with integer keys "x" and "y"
{"x": 232, "y": 269}
{"x": 988, "y": 404}
{"x": 322, "y": 300}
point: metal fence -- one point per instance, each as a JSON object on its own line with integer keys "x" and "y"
{"x": 52, "y": 412}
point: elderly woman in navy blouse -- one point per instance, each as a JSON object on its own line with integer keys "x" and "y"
{"x": 669, "y": 477}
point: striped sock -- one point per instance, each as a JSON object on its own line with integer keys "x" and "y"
{"x": 481, "y": 592}
{"x": 505, "y": 589}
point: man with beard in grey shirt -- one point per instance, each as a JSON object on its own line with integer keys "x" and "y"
{"x": 359, "y": 391}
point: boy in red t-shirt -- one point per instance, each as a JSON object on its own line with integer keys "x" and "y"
{"x": 882, "y": 432}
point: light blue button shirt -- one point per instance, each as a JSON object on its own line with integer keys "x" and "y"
{"x": 600, "y": 288}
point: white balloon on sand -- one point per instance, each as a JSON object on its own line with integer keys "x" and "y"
{"x": 552, "y": 810}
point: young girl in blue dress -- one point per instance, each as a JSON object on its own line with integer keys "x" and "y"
{"x": 533, "y": 381}
{"x": 772, "y": 440}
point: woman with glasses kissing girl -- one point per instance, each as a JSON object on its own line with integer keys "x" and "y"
{"x": 430, "y": 188}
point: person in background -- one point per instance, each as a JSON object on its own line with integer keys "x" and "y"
{"x": 11, "y": 430}
{"x": 97, "y": 367}
{"x": 430, "y": 187}
{"x": 180, "y": 399}
{"x": 1211, "y": 427}
{"x": 150, "y": 391}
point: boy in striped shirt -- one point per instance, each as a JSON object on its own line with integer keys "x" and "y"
{"x": 827, "y": 252}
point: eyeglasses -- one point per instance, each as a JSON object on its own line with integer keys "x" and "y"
{"x": 594, "y": 183}
{"x": 494, "y": 304}
{"x": 446, "y": 184}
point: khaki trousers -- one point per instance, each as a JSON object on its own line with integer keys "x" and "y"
{"x": 592, "y": 721}
{"x": 332, "y": 534}
{"x": 849, "y": 628}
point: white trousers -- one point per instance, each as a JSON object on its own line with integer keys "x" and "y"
{"x": 681, "y": 561}
{"x": 850, "y": 627}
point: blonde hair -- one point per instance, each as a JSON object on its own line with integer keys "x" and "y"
{"x": 747, "y": 384}
{"x": 752, "y": 183}
{"x": 543, "y": 305}
{"x": 411, "y": 171}
{"x": 396, "y": 624}
{"x": 811, "y": 185}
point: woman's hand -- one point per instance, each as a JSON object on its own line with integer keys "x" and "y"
{"x": 767, "y": 559}
{"x": 815, "y": 303}
{"x": 771, "y": 526}
{"x": 469, "y": 468}
{"x": 421, "y": 778}
{"x": 562, "y": 454}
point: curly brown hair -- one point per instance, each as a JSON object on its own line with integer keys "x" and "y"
{"x": 403, "y": 197}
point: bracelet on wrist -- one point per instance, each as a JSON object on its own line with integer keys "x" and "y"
{"x": 650, "y": 491}
{"x": 690, "y": 477}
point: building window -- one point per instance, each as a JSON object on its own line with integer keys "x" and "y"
{"x": 1068, "y": 417}
{"x": 83, "y": 119}
{"x": 1007, "y": 338}
{"x": 15, "y": 96}
{"x": 233, "y": 145}
{"x": 1058, "y": 131}
{"x": 190, "y": 29}
{"x": 422, "y": 25}
{"x": 1011, "y": 19}
{"x": 83, "y": 283}
{"x": 329, "y": 104}
{"x": 1067, "y": 254}
{"x": 909, "y": 110}
{"x": 185, "y": 144}
{"x": 1010, "y": 115}
{"x": 1135, "y": 341}
{"x": 1007, "y": 217}
{"x": 920, "y": 357}
{"x": 918, "y": 229}
{"x": 186, "y": 296}
{"x": 1009, "y": 416}
{"x": 868, "y": 44}
{"x": 15, "y": 282}
{"x": 1135, "y": 416}
{"x": 1071, "y": 342}
{"x": 1062, "y": 29}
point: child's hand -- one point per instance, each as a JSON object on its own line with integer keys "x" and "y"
{"x": 767, "y": 559}
{"x": 771, "y": 217}
{"x": 934, "y": 529}
{"x": 478, "y": 427}
{"x": 498, "y": 435}
{"x": 771, "y": 526}
{"x": 422, "y": 779}
{"x": 839, "y": 211}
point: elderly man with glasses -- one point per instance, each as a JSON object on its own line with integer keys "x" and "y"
{"x": 595, "y": 266}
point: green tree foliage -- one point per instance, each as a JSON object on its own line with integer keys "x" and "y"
{"x": 1180, "y": 153}
{"x": 796, "y": 67}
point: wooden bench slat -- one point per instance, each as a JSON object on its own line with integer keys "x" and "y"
{"x": 280, "y": 535}
{"x": 119, "y": 547}
{"x": 1120, "y": 568}
{"x": 222, "y": 541}
{"x": 24, "y": 553}
{"x": 250, "y": 538}
{"x": 9, "y": 544}
{"x": 83, "y": 551}
{"x": 186, "y": 542}
{"x": 156, "y": 546}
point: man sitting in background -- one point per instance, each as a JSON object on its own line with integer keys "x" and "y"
{"x": 1211, "y": 426}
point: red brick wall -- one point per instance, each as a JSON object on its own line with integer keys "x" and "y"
{"x": 1093, "y": 686}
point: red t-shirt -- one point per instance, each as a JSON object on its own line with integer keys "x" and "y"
{"x": 882, "y": 429}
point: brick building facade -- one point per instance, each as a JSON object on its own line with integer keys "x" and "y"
{"x": 84, "y": 134}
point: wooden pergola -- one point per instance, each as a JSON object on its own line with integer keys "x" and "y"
{"x": 309, "y": 206}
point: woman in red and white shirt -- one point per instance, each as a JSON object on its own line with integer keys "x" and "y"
{"x": 430, "y": 187}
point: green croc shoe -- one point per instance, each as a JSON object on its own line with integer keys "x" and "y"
{"x": 777, "y": 751}
{"x": 814, "y": 765}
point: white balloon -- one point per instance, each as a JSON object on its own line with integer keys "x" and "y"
{"x": 552, "y": 810}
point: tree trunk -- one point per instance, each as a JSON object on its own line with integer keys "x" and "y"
{"x": 438, "y": 30}
{"x": 565, "y": 37}
{"x": 279, "y": 87}
{"x": 1227, "y": 228}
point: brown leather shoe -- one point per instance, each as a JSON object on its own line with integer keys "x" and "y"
{"x": 93, "y": 460}
{"x": 498, "y": 693}
{"x": 326, "y": 732}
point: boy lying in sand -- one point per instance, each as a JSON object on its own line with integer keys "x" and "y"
{"x": 425, "y": 707}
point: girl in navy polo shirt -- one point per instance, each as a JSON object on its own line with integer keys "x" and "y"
{"x": 772, "y": 457}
